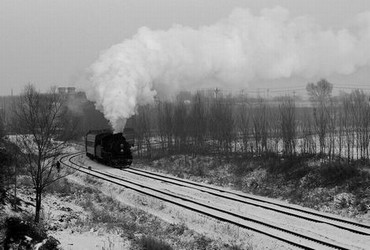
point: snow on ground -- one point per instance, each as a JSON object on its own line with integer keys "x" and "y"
{"x": 298, "y": 225}
{"x": 62, "y": 213}
{"x": 212, "y": 228}
{"x": 71, "y": 240}
{"x": 174, "y": 214}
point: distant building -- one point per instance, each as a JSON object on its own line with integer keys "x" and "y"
{"x": 67, "y": 90}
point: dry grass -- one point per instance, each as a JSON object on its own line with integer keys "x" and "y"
{"x": 301, "y": 180}
{"x": 144, "y": 230}
{"x": 151, "y": 243}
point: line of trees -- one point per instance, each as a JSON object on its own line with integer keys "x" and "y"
{"x": 331, "y": 127}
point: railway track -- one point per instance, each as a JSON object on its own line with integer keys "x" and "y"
{"x": 269, "y": 229}
{"x": 290, "y": 210}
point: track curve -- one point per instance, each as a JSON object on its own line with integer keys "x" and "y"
{"x": 310, "y": 215}
{"x": 276, "y": 232}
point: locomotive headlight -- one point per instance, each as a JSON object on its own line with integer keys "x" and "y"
{"x": 121, "y": 150}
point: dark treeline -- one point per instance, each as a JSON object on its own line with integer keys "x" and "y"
{"x": 209, "y": 122}
{"x": 82, "y": 114}
{"x": 329, "y": 126}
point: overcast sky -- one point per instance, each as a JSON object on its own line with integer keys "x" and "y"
{"x": 52, "y": 42}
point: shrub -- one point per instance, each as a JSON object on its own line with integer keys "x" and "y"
{"x": 150, "y": 243}
{"x": 296, "y": 195}
{"x": 101, "y": 215}
{"x": 198, "y": 171}
{"x": 291, "y": 168}
{"x": 16, "y": 230}
{"x": 50, "y": 244}
{"x": 237, "y": 247}
{"x": 202, "y": 242}
{"x": 61, "y": 186}
{"x": 177, "y": 229}
{"x": 241, "y": 168}
{"x": 336, "y": 173}
{"x": 357, "y": 183}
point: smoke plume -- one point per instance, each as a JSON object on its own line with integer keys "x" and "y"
{"x": 232, "y": 52}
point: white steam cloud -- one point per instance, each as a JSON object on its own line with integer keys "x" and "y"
{"x": 230, "y": 53}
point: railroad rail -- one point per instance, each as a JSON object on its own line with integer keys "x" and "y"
{"x": 299, "y": 240}
{"x": 307, "y": 214}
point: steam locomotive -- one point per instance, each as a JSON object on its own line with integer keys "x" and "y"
{"x": 109, "y": 148}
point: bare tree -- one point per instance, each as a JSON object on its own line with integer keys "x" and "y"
{"x": 274, "y": 128}
{"x": 360, "y": 112}
{"x": 10, "y": 163}
{"x": 243, "y": 123}
{"x": 143, "y": 130}
{"x": 260, "y": 125}
{"x": 39, "y": 122}
{"x": 347, "y": 122}
{"x": 221, "y": 124}
{"x": 6, "y": 171}
{"x": 341, "y": 127}
{"x": 320, "y": 95}
{"x": 180, "y": 124}
{"x": 165, "y": 123}
{"x": 306, "y": 127}
{"x": 288, "y": 125}
{"x": 2, "y": 125}
{"x": 198, "y": 121}
{"x": 332, "y": 127}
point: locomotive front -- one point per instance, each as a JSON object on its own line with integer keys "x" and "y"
{"x": 111, "y": 149}
{"x": 119, "y": 149}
